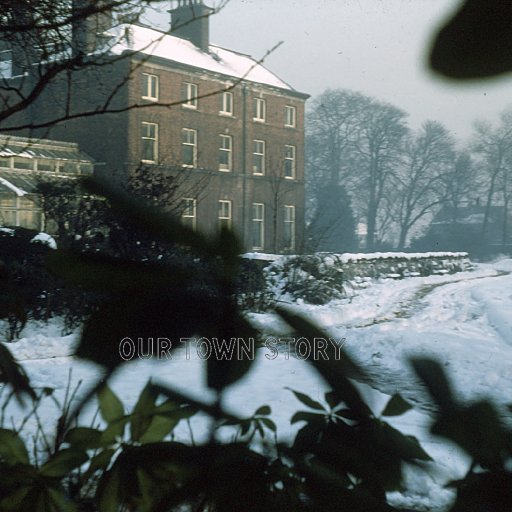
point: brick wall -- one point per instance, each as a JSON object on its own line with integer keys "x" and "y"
{"x": 213, "y": 184}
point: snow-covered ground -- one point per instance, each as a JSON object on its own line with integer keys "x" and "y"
{"x": 462, "y": 319}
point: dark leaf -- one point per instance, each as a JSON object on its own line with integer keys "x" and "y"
{"x": 229, "y": 248}
{"x": 159, "y": 427}
{"x": 114, "y": 432}
{"x": 478, "y": 429}
{"x": 308, "y": 417}
{"x": 306, "y": 400}
{"x": 269, "y": 424}
{"x": 244, "y": 427}
{"x": 149, "y": 325}
{"x": 12, "y": 448}
{"x": 61, "y": 464}
{"x": 109, "y": 490}
{"x": 331, "y": 399}
{"x": 228, "y": 362}
{"x": 83, "y": 437}
{"x": 196, "y": 405}
{"x": 475, "y": 41}
{"x": 335, "y": 369}
{"x": 13, "y": 374}
{"x": 433, "y": 376}
{"x": 396, "y": 406}
{"x": 101, "y": 272}
{"x": 264, "y": 410}
{"x": 111, "y": 408}
{"x": 142, "y": 413}
{"x": 101, "y": 461}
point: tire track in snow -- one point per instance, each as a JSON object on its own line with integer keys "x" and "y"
{"x": 409, "y": 306}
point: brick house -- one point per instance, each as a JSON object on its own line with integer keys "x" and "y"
{"x": 229, "y": 131}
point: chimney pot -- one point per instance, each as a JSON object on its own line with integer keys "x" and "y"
{"x": 190, "y": 20}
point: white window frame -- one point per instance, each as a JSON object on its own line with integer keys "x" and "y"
{"x": 226, "y": 149}
{"x": 188, "y": 202}
{"x": 260, "y": 154}
{"x": 227, "y": 214}
{"x": 190, "y": 143}
{"x": 290, "y": 116}
{"x": 148, "y": 137}
{"x": 46, "y": 162}
{"x": 258, "y": 223}
{"x": 25, "y": 164}
{"x": 148, "y": 81}
{"x": 18, "y": 210}
{"x": 191, "y": 95}
{"x": 290, "y": 159}
{"x": 289, "y": 225}
{"x": 227, "y": 104}
{"x": 260, "y": 110}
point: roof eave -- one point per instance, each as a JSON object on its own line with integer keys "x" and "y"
{"x": 189, "y": 67}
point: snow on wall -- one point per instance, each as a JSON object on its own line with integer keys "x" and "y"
{"x": 322, "y": 277}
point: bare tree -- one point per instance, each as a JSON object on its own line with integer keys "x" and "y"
{"x": 355, "y": 142}
{"x": 461, "y": 183}
{"x": 377, "y": 155}
{"x": 332, "y": 121}
{"x": 493, "y": 149}
{"x": 420, "y": 181}
{"x": 47, "y": 47}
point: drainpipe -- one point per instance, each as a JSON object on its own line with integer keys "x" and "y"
{"x": 244, "y": 163}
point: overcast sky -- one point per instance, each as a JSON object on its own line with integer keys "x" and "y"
{"x": 377, "y": 47}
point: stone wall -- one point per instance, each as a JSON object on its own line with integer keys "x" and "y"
{"x": 321, "y": 277}
{"x": 397, "y": 265}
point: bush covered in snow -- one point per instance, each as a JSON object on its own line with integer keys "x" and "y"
{"x": 310, "y": 278}
{"x": 41, "y": 294}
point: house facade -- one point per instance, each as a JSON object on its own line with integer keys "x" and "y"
{"x": 229, "y": 132}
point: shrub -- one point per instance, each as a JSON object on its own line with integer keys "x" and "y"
{"x": 311, "y": 278}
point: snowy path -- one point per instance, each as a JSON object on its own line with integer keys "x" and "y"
{"x": 466, "y": 325}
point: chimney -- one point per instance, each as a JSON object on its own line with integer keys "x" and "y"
{"x": 189, "y": 20}
{"x": 89, "y": 25}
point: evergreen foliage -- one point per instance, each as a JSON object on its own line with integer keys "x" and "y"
{"x": 333, "y": 226}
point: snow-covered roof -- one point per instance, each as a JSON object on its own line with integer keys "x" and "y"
{"x": 12, "y": 187}
{"x": 136, "y": 38}
{"x": 25, "y": 147}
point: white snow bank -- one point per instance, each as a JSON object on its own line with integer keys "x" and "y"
{"x": 39, "y": 341}
{"x": 45, "y": 239}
